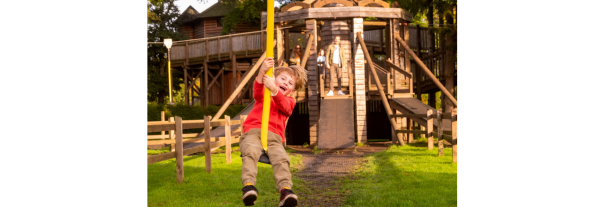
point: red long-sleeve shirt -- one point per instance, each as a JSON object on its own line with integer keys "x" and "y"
{"x": 281, "y": 109}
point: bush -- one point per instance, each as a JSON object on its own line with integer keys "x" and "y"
{"x": 188, "y": 112}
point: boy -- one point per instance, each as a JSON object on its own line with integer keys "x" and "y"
{"x": 286, "y": 81}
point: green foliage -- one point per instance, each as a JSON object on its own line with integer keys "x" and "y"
{"x": 305, "y": 145}
{"x": 359, "y": 144}
{"x": 403, "y": 176}
{"x": 316, "y": 150}
{"x": 161, "y": 15}
{"x": 246, "y": 11}
{"x": 422, "y": 140}
{"x": 188, "y": 112}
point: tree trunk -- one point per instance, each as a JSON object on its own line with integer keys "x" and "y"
{"x": 162, "y": 93}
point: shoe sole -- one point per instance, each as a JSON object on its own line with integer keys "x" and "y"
{"x": 289, "y": 201}
{"x": 249, "y": 198}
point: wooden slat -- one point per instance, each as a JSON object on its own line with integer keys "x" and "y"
{"x": 307, "y": 50}
{"x": 390, "y": 64}
{"x": 440, "y": 133}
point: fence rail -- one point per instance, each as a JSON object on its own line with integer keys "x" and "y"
{"x": 439, "y": 133}
{"x": 176, "y": 126}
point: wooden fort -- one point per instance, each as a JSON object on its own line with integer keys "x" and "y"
{"x": 220, "y": 69}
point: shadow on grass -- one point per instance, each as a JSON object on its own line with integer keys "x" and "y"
{"x": 403, "y": 176}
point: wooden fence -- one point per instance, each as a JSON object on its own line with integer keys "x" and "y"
{"x": 219, "y": 47}
{"x": 178, "y": 125}
{"x": 439, "y": 133}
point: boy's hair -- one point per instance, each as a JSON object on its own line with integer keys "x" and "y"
{"x": 298, "y": 74}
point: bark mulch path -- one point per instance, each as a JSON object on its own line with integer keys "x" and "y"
{"x": 321, "y": 172}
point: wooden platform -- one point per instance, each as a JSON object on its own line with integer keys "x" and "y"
{"x": 414, "y": 106}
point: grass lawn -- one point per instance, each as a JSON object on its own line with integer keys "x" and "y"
{"x": 403, "y": 176}
{"x": 222, "y": 187}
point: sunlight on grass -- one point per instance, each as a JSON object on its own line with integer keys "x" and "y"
{"x": 158, "y": 151}
{"x": 403, "y": 176}
{"x": 222, "y": 187}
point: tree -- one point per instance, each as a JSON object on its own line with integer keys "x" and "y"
{"x": 161, "y": 15}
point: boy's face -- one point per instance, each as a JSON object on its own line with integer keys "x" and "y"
{"x": 285, "y": 83}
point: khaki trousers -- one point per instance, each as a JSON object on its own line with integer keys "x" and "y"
{"x": 251, "y": 148}
{"x": 335, "y": 75}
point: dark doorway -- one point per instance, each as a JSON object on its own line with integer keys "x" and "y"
{"x": 297, "y": 129}
{"x": 379, "y": 127}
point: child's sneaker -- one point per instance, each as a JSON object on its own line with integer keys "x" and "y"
{"x": 340, "y": 93}
{"x": 250, "y": 194}
{"x": 288, "y": 198}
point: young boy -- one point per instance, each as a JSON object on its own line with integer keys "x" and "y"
{"x": 286, "y": 81}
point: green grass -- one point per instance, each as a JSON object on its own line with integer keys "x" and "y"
{"x": 158, "y": 151}
{"x": 359, "y": 144}
{"x": 403, "y": 176}
{"x": 222, "y": 187}
{"x": 316, "y": 150}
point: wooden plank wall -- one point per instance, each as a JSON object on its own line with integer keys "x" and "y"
{"x": 211, "y": 28}
{"x": 198, "y": 29}
{"x": 243, "y": 27}
{"x": 360, "y": 92}
{"x": 188, "y": 31}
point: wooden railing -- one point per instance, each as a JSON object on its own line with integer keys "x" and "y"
{"x": 439, "y": 133}
{"x": 220, "y": 47}
{"x": 178, "y": 125}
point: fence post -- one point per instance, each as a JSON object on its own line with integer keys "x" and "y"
{"x": 162, "y": 118}
{"x": 440, "y": 132}
{"x": 455, "y": 135}
{"x": 228, "y": 138}
{"x": 171, "y": 135}
{"x": 180, "y": 174}
{"x": 207, "y": 129}
{"x": 429, "y": 128}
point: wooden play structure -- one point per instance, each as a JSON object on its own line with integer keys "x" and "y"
{"x": 386, "y": 63}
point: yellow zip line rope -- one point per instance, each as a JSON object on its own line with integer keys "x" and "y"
{"x": 267, "y": 98}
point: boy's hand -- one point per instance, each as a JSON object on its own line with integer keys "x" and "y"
{"x": 268, "y": 63}
{"x": 270, "y": 84}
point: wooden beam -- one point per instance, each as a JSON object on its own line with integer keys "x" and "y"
{"x": 307, "y": 51}
{"x": 385, "y": 101}
{"x": 429, "y": 128}
{"x": 280, "y": 43}
{"x": 180, "y": 174}
{"x": 374, "y": 23}
{"x": 428, "y": 72}
{"x": 390, "y": 64}
{"x": 364, "y": 3}
{"x": 300, "y": 4}
{"x": 215, "y": 78}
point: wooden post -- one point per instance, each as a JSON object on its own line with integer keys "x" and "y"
{"x": 440, "y": 132}
{"x": 185, "y": 80}
{"x": 286, "y": 44}
{"x": 205, "y": 89}
{"x": 207, "y": 143}
{"x": 410, "y": 123}
{"x": 381, "y": 41}
{"x": 406, "y": 37}
{"x": 280, "y": 44}
{"x": 429, "y": 127}
{"x": 162, "y": 118}
{"x": 171, "y": 135}
{"x": 228, "y": 138}
{"x": 222, "y": 74}
{"x": 455, "y": 135}
{"x": 207, "y": 55}
{"x": 233, "y": 72}
{"x": 218, "y": 43}
{"x": 180, "y": 174}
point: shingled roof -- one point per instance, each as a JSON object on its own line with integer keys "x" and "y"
{"x": 189, "y": 14}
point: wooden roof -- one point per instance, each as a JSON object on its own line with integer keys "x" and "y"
{"x": 219, "y": 9}
{"x": 189, "y": 14}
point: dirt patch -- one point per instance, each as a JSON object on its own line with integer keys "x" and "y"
{"x": 321, "y": 173}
